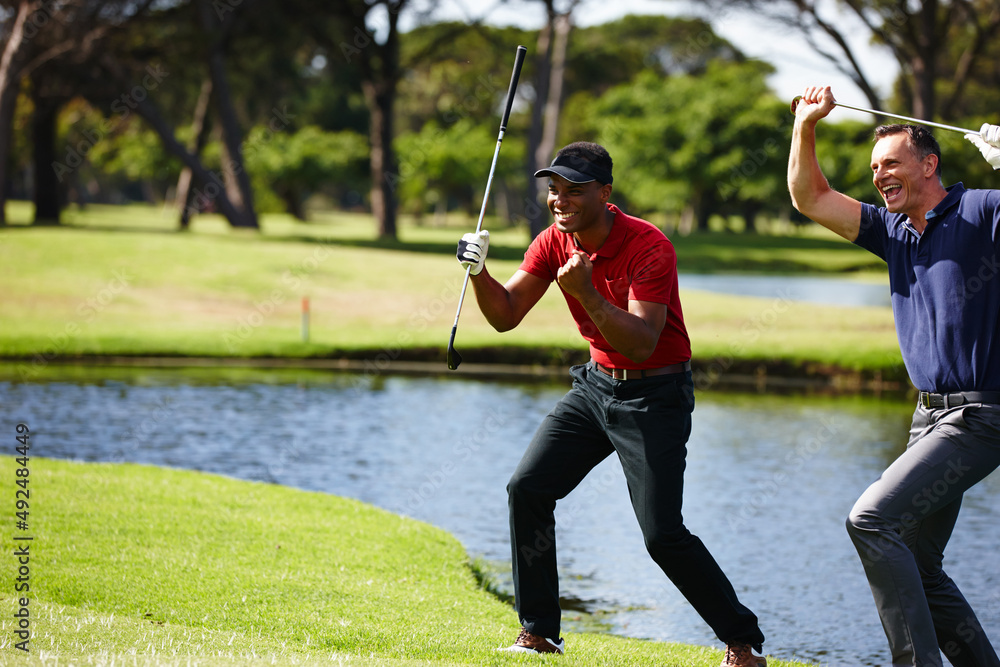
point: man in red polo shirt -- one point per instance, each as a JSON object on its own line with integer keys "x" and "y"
{"x": 619, "y": 277}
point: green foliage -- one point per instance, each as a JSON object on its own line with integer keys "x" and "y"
{"x": 136, "y": 153}
{"x": 961, "y": 161}
{"x": 449, "y": 165}
{"x": 844, "y": 150}
{"x": 603, "y": 56}
{"x": 457, "y": 72}
{"x": 116, "y": 152}
{"x": 294, "y": 165}
{"x": 696, "y": 141}
{"x": 689, "y": 117}
{"x": 448, "y": 113}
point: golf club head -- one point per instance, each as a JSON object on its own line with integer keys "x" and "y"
{"x": 454, "y": 358}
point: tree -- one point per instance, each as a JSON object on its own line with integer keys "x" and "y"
{"x": 549, "y": 73}
{"x": 199, "y": 137}
{"x": 599, "y": 58}
{"x": 445, "y": 165}
{"x": 294, "y": 165}
{"x": 379, "y": 64}
{"x": 449, "y": 105}
{"x": 51, "y": 34}
{"x": 690, "y": 144}
{"x": 48, "y": 93}
{"x": 107, "y": 75}
{"x": 917, "y": 35}
{"x": 217, "y": 26}
{"x": 343, "y": 29}
{"x": 15, "y": 53}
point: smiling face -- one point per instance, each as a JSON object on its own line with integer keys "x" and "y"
{"x": 900, "y": 175}
{"x": 578, "y": 207}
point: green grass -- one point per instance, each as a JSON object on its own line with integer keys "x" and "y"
{"x": 121, "y": 281}
{"x": 135, "y": 565}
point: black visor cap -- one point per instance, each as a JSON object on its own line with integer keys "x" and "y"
{"x": 576, "y": 170}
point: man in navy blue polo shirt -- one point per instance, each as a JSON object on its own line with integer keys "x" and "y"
{"x": 940, "y": 245}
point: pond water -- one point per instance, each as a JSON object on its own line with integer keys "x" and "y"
{"x": 812, "y": 289}
{"x": 769, "y": 483}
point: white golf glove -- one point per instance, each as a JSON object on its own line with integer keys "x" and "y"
{"x": 988, "y": 143}
{"x": 472, "y": 248}
{"x": 990, "y": 134}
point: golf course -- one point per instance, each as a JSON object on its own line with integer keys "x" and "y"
{"x": 119, "y": 281}
{"x": 144, "y": 565}
{"x": 271, "y": 396}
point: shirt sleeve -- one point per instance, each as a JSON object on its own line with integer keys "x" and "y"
{"x": 544, "y": 255}
{"x": 537, "y": 258}
{"x": 873, "y": 235}
{"x": 991, "y": 212}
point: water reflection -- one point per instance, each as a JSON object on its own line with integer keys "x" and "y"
{"x": 770, "y": 481}
{"x": 812, "y": 289}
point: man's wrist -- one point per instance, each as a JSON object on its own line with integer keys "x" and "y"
{"x": 597, "y": 307}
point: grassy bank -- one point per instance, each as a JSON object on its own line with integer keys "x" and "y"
{"x": 120, "y": 280}
{"x": 139, "y": 565}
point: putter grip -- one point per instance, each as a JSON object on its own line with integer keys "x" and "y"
{"x": 518, "y": 61}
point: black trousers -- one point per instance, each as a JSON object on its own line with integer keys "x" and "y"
{"x": 647, "y": 422}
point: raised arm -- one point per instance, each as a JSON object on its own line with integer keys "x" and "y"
{"x": 810, "y": 191}
{"x": 504, "y": 306}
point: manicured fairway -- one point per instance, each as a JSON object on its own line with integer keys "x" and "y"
{"x": 140, "y": 565}
{"x": 119, "y": 280}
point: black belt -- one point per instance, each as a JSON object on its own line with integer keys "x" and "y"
{"x": 636, "y": 373}
{"x": 931, "y": 400}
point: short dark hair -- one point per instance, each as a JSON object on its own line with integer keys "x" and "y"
{"x": 922, "y": 142}
{"x": 591, "y": 152}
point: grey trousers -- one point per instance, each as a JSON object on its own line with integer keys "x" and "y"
{"x": 901, "y": 524}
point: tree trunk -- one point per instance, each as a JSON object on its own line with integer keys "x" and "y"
{"x": 213, "y": 187}
{"x": 380, "y": 73}
{"x": 701, "y": 216}
{"x": 293, "y": 203}
{"x": 750, "y": 212}
{"x": 380, "y": 64}
{"x": 537, "y": 160}
{"x": 923, "y": 61}
{"x": 199, "y": 129}
{"x": 381, "y": 99}
{"x": 8, "y": 104}
{"x": 237, "y": 181}
{"x": 43, "y": 135}
{"x": 10, "y": 83}
{"x": 685, "y": 225}
{"x": 553, "y": 102}
{"x": 702, "y": 210}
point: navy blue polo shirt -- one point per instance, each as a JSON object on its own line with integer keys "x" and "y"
{"x": 945, "y": 288}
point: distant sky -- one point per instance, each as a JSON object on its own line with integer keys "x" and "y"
{"x": 797, "y": 65}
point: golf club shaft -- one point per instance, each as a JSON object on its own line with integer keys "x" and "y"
{"x": 875, "y": 112}
{"x": 518, "y": 62}
{"x": 479, "y": 226}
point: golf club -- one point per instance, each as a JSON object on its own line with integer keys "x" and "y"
{"x": 454, "y": 358}
{"x": 874, "y": 112}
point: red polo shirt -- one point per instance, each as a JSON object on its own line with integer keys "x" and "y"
{"x": 636, "y": 263}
